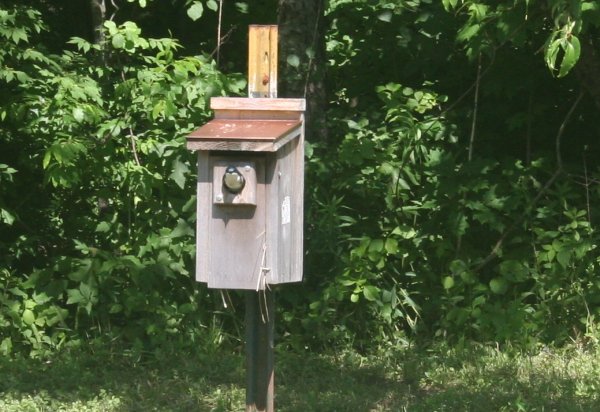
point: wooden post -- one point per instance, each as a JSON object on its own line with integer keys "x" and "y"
{"x": 260, "y": 307}
{"x": 260, "y": 374}
{"x": 262, "y": 61}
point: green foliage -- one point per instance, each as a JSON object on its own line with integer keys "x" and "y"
{"x": 410, "y": 237}
{"x": 456, "y": 197}
{"x": 113, "y": 203}
{"x": 564, "y": 22}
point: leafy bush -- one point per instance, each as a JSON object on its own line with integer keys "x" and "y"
{"x": 97, "y": 135}
{"x": 410, "y": 231}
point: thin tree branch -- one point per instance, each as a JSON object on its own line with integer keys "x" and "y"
{"x": 134, "y": 146}
{"x": 219, "y": 32}
{"x": 314, "y": 42}
{"x": 114, "y": 13}
{"x": 587, "y": 190}
{"x": 224, "y": 39}
{"x": 529, "y": 129}
{"x": 561, "y": 129}
{"x": 471, "y": 87}
{"x": 475, "y": 109}
{"x": 559, "y": 170}
{"x": 132, "y": 136}
{"x": 513, "y": 226}
{"x": 484, "y": 73}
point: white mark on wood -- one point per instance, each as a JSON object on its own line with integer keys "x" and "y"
{"x": 286, "y": 217}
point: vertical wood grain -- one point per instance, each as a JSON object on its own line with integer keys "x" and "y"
{"x": 203, "y": 210}
{"x": 262, "y": 61}
{"x": 297, "y": 245}
{"x": 237, "y": 234}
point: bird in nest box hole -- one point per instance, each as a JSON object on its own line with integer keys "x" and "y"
{"x": 233, "y": 180}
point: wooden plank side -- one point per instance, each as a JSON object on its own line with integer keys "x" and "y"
{"x": 203, "y": 217}
{"x": 286, "y": 183}
{"x": 256, "y": 114}
{"x": 253, "y": 57}
{"x": 273, "y": 40}
{"x": 285, "y": 214}
{"x": 272, "y": 213}
{"x": 260, "y": 104}
{"x": 238, "y": 236}
{"x": 297, "y": 223}
{"x": 246, "y": 146}
{"x": 262, "y": 61}
{"x": 231, "y": 146}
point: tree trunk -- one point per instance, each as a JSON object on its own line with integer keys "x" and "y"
{"x": 302, "y": 60}
{"x": 98, "y": 16}
{"x": 588, "y": 69}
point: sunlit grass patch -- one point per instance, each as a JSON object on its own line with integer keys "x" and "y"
{"x": 473, "y": 378}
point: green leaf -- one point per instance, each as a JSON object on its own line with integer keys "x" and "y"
{"x": 118, "y": 41}
{"x": 187, "y": 308}
{"x": 28, "y": 317}
{"x": 242, "y": 7}
{"x": 498, "y": 286}
{"x": 18, "y": 35}
{"x": 6, "y": 217}
{"x": 47, "y": 158}
{"x": 212, "y": 5}
{"x": 115, "y": 308}
{"x": 564, "y": 257}
{"x": 182, "y": 229}
{"x": 371, "y": 293}
{"x": 376, "y": 245}
{"x": 78, "y": 114}
{"x": 111, "y": 26}
{"x": 180, "y": 170}
{"x": 74, "y": 296}
{"x": 448, "y": 282}
{"x": 386, "y": 16}
{"x": 467, "y": 32}
{"x": 391, "y": 246}
{"x": 195, "y": 11}
{"x": 6, "y": 346}
{"x": 449, "y": 4}
{"x": 293, "y": 60}
{"x": 572, "y": 49}
{"x": 103, "y": 227}
{"x": 158, "y": 109}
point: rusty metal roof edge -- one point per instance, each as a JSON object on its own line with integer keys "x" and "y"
{"x": 293, "y": 126}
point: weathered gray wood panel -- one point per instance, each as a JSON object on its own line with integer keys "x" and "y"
{"x": 298, "y": 209}
{"x": 285, "y": 214}
{"x": 236, "y": 253}
{"x": 284, "y": 236}
{"x": 204, "y": 188}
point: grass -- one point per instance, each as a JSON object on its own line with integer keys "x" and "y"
{"x": 441, "y": 379}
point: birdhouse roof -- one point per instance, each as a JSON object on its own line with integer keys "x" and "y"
{"x": 251, "y": 124}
